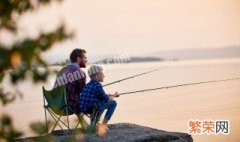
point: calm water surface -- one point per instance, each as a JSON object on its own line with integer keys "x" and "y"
{"x": 168, "y": 109}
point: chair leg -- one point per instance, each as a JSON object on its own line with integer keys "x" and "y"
{"x": 95, "y": 118}
{"x": 66, "y": 108}
{"x": 53, "y": 115}
{"x": 82, "y": 121}
{"x": 46, "y": 120}
{"x": 57, "y": 120}
{"x": 57, "y": 123}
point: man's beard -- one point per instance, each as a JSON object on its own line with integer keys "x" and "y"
{"x": 82, "y": 65}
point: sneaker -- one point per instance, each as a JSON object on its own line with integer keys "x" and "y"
{"x": 102, "y": 130}
{"x": 106, "y": 127}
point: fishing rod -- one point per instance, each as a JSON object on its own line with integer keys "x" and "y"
{"x": 132, "y": 77}
{"x": 180, "y": 85}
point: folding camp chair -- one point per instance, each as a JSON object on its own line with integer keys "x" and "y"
{"x": 57, "y": 107}
{"x": 94, "y": 119}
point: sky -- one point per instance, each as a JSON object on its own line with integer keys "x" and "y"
{"x": 137, "y": 27}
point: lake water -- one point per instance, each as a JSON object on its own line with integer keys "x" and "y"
{"x": 168, "y": 109}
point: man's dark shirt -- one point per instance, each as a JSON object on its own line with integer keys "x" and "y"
{"x": 74, "y": 79}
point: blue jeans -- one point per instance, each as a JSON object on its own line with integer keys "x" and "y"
{"x": 110, "y": 106}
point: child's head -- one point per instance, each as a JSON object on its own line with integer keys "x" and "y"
{"x": 95, "y": 73}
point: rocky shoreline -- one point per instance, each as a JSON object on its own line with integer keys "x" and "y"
{"x": 123, "y": 132}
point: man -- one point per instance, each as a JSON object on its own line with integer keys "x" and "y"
{"x": 73, "y": 77}
{"x": 94, "y": 95}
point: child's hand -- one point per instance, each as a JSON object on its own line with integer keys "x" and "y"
{"x": 116, "y": 94}
{"x": 112, "y": 96}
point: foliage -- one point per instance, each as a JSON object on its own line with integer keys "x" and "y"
{"x": 7, "y": 131}
{"x": 23, "y": 58}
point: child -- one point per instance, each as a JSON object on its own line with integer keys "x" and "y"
{"x": 94, "y": 95}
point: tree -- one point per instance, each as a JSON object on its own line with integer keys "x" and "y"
{"x": 21, "y": 58}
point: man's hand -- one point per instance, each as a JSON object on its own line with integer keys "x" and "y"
{"x": 112, "y": 96}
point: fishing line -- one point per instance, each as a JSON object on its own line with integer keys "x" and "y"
{"x": 118, "y": 81}
{"x": 180, "y": 85}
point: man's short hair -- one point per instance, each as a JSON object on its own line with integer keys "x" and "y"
{"x": 76, "y": 53}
